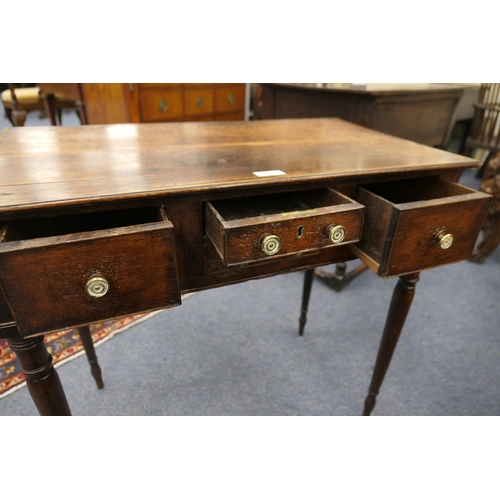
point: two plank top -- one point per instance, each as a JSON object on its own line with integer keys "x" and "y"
{"x": 59, "y": 166}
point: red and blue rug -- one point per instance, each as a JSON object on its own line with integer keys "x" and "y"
{"x": 64, "y": 346}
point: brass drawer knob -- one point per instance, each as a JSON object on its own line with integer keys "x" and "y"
{"x": 445, "y": 240}
{"x": 336, "y": 234}
{"x": 97, "y": 286}
{"x": 163, "y": 105}
{"x": 230, "y": 99}
{"x": 200, "y": 102}
{"x": 270, "y": 244}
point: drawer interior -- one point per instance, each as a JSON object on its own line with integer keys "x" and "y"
{"x": 415, "y": 190}
{"x": 79, "y": 223}
{"x": 283, "y": 204}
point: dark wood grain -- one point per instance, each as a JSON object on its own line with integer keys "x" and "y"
{"x": 41, "y": 271}
{"x": 63, "y": 165}
{"x": 299, "y": 220}
{"x": 405, "y": 218}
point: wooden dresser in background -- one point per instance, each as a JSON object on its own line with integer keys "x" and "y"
{"x": 162, "y": 102}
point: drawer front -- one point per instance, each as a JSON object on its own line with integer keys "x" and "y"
{"x": 230, "y": 99}
{"x": 161, "y": 106}
{"x": 199, "y": 101}
{"x": 423, "y": 223}
{"x": 280, "y": 234}
{"x": 87, "y": 277}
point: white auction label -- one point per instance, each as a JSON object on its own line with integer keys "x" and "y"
{"x": 269, "y": 173}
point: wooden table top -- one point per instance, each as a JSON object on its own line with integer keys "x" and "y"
{"x": 58, "y": 166}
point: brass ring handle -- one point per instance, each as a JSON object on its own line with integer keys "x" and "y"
{"x": 336, "y": 234}
{"x": 97, "y": 286}
{"x": 270, "y": 244}
{"x": 230, "y": 99}
{"x": 200, "y": 102}
{"x": 445, "y": 240}
{"x": 163, "y": 105}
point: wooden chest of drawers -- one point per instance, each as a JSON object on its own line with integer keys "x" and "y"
{"x": 163, "y": 102}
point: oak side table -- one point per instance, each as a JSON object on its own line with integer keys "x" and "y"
{"x": 104, "y": 221}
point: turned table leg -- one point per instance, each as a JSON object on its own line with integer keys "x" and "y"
{"x": 306, "y": 293}
{"x": 88, "y": 345}
{"x": 402, "y": 298}
{"x": 42, "y": 380}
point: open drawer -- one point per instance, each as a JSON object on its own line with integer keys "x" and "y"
{"x": 264, "y": 227}
{"x": 87, "y": 267}
{"x": 416, "y": 224}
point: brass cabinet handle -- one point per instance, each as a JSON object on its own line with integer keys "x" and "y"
{"x": 445, "y": 240}
{"x": 230, "y": 99}
{"x": 131, "y": 87}
{"x": 270, "y": 244}
{"x": 97, "y": 286}
{"x": 200, "y": 102}
{"x": 163, "y": 105}
{"x": 336, "y": 234}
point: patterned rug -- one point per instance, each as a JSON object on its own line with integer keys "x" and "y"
{"x": 64, "y": 346}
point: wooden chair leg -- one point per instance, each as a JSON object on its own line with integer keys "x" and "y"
{"x": 18, "y": 118}
{"x": 49, "y": 101}
{"x": 80, "y": 110}
{"x": 8, "y": 114}
{"x": 88, "y": 345}
{"x": 306, "y": 293}
{"x": 402, "y": 298}
{"x": 42, "y": 379}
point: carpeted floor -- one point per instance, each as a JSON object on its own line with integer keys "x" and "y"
{"x": 235, "y": 351}
{"x": 63, "y": 346}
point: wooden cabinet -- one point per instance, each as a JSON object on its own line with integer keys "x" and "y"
{"x": 421, "y": 112}
{"x": 163, "y": 102}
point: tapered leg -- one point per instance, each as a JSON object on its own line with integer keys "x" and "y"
{"x": 18, "y": 118}
{"x": 88, "y": 345}
{"x": 81, "y": 114}
{"x": 306, "y": 293}
{"x": 402, "y": 298}
{"x": 42, "y": 380}
{"x": 50, "y": 108}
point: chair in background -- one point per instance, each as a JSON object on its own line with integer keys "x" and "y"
{"x": 485, "y": 135}
{"x": 485, "y": 129}
{"x": 59, "y": 96}
{"x": 490, "y": 184}
{"x": 49, "y": 97}
{"x": 17, "y": 102}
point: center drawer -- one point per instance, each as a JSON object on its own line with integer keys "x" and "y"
{"x": 265, "y": 227}
{"x": 87, "y": 267}
{"x": 417, "y": 224}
